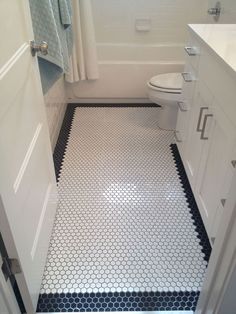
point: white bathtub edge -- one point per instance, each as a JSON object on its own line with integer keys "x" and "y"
{"x": 109, "y": 101}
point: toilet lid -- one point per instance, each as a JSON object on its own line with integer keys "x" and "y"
{"x": 172, "y": 81}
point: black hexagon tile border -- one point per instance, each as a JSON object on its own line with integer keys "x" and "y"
{"x": 128, "y": 235}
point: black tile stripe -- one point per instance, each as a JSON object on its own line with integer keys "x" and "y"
{"x": 63, "y": 138}
{"x": 193, "y": 208}
{"x": 117, "y": 301}
{"x": 103, "y": 105}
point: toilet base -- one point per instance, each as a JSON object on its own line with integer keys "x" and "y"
{"x": 167, "y": 117}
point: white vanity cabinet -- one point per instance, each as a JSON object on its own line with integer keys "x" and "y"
{"x": 218, "y": 138}
{"x": 208, "y": 132}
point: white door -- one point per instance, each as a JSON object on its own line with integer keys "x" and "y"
{"x": 27, "y": 180}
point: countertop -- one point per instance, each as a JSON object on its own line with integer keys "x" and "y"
{"x": 221, "y": 38}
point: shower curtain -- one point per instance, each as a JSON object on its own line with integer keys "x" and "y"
{"x": 83, "y": 60}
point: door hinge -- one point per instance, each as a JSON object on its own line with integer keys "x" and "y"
{"x": 10, "y": 267}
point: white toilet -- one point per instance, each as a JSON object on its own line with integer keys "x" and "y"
{"x": 166, "y": 91}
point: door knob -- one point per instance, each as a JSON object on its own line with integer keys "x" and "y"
{"x": 42, "y": 48}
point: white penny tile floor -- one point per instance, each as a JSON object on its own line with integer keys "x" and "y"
{"x": 123, "y": 226}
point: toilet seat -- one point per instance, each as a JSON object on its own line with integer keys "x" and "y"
{"x": 167, "y": 83}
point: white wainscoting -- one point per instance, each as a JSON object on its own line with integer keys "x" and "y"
{"x": 55, "y": 101}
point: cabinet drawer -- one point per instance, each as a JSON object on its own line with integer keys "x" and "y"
{"x": 189, "y": 86}
{"x": 192, "y": 51}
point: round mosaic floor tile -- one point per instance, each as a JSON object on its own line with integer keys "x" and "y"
{"x": 124, "y": 223}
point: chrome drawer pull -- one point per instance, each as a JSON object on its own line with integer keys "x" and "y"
{"x": 203, "y": 137}
{"x": 233, "y": 162}
{"x": 191, "y": 51}
{"x": 200, "y": 119}
{"x": 182, "y": 106}
{"x": 223, "y": 200}
{"x": 187, "y": 77}
{"x": 178, "y": 137}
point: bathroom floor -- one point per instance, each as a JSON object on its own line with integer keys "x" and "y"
{"x": 127, "y": 235}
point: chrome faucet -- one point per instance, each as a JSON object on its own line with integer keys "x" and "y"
{"x": 215, "y": 12}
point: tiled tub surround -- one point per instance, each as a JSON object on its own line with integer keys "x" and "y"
{"x": 128, "y": 58}
{"x": 127, "y": 234}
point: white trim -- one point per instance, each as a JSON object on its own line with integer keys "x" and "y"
{"x": 136, "y": 45}
{"x": 109, "y": 101}
{"x": 12, "y": 61}
{"x": 142, "y": 62}
{"x": 7, "y": 294}
{"x": 12, "y": 253}
{"x": 41, "y": 220}
{"x": 27, "y": 158}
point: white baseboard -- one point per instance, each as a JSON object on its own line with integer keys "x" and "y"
{"x": 110, "y": 101}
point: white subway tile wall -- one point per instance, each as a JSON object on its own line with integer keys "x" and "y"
{"x": 228, "y": 13}
{"x": 114, "y": 20}
{"x": 127, "y": 57}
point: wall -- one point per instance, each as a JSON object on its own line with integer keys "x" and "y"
{"x": 55, "y": 101}
{"x": 228, "y": 14}
{"x": 114, "y": 19}
{"x": 121, "y": 49}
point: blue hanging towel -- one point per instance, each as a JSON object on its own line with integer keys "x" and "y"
{"x": 52, "y": 23}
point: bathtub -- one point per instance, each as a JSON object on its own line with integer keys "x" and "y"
{"x": 124, "y": 70}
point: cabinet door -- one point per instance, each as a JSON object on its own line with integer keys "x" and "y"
{"x": 215, "y": 170}
{"x": 194, "y": 145}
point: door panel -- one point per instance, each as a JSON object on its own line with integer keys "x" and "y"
{"x": 14, "y": 30}
{"x": 27, "y": 181}
{"x": 17, "y": 110}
